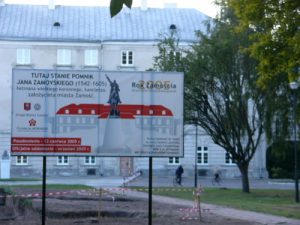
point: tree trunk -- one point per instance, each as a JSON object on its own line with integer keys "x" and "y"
{"x": 245, "y": 179}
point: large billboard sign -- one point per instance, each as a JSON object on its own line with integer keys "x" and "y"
{"x": 97, "y": 113}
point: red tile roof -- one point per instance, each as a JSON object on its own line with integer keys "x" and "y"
{"x": 126, "y": 111}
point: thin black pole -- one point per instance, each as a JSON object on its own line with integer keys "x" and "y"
{"x": 196, "y": 156}
{"x": 150, "y": 193}
{"x": 295, "y": 147}
{"x": 44, "y": 191}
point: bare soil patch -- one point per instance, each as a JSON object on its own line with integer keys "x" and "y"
{"x": 84, "y": 207}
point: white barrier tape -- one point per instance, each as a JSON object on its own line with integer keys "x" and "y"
{"x": 193, "y": 210}
{"x": 190, "y": 218}
{"x": 96, "y": 191}
{"x": 189, "y": 209}
{"x": 33, "y": 195}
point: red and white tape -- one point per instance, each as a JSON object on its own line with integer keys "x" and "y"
{"x": 190, "y": 218}
{"x": 96, "y": 191}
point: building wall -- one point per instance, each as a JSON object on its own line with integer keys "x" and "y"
{"x": 44, "y": 56}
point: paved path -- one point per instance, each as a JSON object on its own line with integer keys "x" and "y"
{"x": 163, "y": 181}
{"x": 158, "y": 181}
{"x": 265, "y": 219}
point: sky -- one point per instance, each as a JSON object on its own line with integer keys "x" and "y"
{"x": 205, "y": 6}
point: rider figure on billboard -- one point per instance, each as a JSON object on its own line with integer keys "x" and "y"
{"x": 114, "y": 98}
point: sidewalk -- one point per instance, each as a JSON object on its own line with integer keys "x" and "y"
{"x": 262, "y": 218}
{"x": 93, "y": 182}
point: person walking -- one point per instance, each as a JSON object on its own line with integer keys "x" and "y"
{"x": 179, "y": 172}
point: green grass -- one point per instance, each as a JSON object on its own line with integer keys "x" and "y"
{"x": 51, "y": 186}
{"x": 275, "y": 202}
{"x": 21, "y": 179}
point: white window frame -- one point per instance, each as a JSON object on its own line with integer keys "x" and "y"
{"x": 21, "y": 160}
{"x": 202, "y": 155}
{"x": 64, "y": 57}
{"x": 23, "y": 56}
{"x": 62, "y": 160}
{"x": 174, "y": 161}
{"x": 128, "y": 60}
{"x": 228, "y": 159}
{"x": 91, "y": 57}
{"x": 89, "y": 160}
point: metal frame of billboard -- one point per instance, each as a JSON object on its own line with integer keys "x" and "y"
{"x": 97, "y": 113}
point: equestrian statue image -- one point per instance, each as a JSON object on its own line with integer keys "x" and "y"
{"x": 114, "y": 98}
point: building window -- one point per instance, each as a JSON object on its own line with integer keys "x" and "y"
{"x": 228, "y": 159}
{"x": 202, "y": 155}
{"x": 23, "y": 56}
{"x": 174, "y": 160}
{"x": 90, "y": 160}
{"x": 153, "y": 121}
{"x": 64, "y": 57}
{"x": 91, "y": 57}
{"x": 138, "y": 121}
{"x": 62, "y": 160}
{"x": 22, "y": 160}
{"x": 145, "y": 121}
{"x": 127, "y": 58}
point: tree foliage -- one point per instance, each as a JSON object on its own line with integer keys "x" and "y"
{"x": 117, "y": 5}
{"x": 221, "y": 94}
{"x": 279, "y": 158}
{"x": 170, "y": 55}
{"x": 275, "y": 34}
{"x": 221, "y": 88}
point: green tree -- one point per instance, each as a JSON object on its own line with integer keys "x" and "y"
{"x": 275, "y": 35}
{"x": 170, "y": 55}
{"x": 280, "y": 159}
{"x": 221, "y": 94}
{"x": 117, "y": 5}
{"x": 275, "y": 44}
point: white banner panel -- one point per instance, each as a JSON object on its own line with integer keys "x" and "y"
{"x": 99, "y": 113}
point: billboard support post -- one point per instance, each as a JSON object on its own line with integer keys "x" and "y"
{"x": 44, "y": 191}
{"x": 150, "y": 193}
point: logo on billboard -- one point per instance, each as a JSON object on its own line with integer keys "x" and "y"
{"x": 37, "y": 107}
{"x": 27, "y": 106}
{"x": 32, "y": 122}
{"x": 154, "y": 85}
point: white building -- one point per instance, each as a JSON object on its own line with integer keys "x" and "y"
{"x": 73, "y": 37}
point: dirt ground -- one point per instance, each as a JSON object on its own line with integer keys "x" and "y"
{"x": 85, "y": 207}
